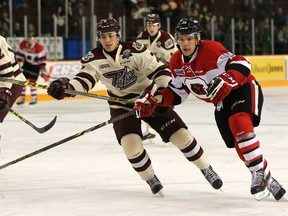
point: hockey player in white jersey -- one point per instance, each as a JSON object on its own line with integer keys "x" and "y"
{"x": 127, "y": 69}
{"x": 9, "y": 68}
{"x": 160, "y": 43}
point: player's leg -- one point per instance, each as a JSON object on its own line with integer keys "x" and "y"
{"x": 172, "y": 129}
{"x": 128, "y": 133}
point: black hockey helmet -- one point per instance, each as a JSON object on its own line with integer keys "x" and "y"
{"x": 31, "y": 35}
{"x": 108, "y": 25}
{"x": 152, "y": 19}
{"x": 188, "y": 26}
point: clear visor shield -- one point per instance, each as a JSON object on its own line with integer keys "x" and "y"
{"x": 104, "y": 35}
{"x": 196, "y": 35}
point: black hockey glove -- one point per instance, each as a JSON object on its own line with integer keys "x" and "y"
{"x": 5, "y": 95}
{"x": 57, "y": 88}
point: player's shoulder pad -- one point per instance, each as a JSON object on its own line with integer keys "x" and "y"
{"x": 143, "y": 35}
{"x": 22, "y": 44}
{"x": 39, "y": 47}
{"x": 167, "y": 41}
{"x": 135, "y": 47}
{"x": 93, "y": 54}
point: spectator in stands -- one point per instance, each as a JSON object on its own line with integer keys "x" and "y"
{"x": 280, "y": 18}
{"x": 246, "y": 8}
{"x": 261, "y": 9}
{"x": 263, "y": 37}
{"x": 141, "y": 10}
{"x": 168, "y": 8}
{"x": 4, "y": 24}
{"x": 18, "y": 30}
{"x": 75, "y": 16}
{"x": 221, "y": 27}
{"x": 282, "y": 40}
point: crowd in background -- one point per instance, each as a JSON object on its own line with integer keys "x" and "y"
{"x": 221, "y": 12}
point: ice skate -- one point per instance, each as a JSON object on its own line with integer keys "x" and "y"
{"x": 259, "y": 185}
{"x": 148, "y": 136}
{"x": 21, "y": 101}
{"x": 33, "y": 102}
{"x": 275, "y": 188}
{"x": 155, "y": 185}
{"x": 212, "y": 177}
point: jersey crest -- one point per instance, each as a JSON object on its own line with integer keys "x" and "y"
{"x": 88, "y": 56}
{"x": 169, "y": 44}
{"x": 137, "y": 46}
{"x": 122, "y": 79}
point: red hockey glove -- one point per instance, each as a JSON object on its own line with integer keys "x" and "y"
{"x": 5, "y": 95}
{"x": 57, "y": 88}
{"x": 43, "y": 73}
{"x": 220, "y": 87}
{"x": 145, "y": 105}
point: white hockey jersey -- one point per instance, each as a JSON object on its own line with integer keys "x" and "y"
{"x": 9, "y": 67}
{"x": 128, "y": 74}
{"x": 163, "y": 46}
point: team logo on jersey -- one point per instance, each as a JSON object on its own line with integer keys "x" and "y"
{"x": 126, "y": 56}
{"x": 179, "y": 71}
{"x": 102, "y": 66}
{"x": 137, "y": 46}
{"x": 187, "y": 69}
{"x": 122, "y": 79}
{"x": 88, "y": 56}
{"x": 158, "y": 44}
{"x": 169, "y": 44}
{"x": 226, "y": 55}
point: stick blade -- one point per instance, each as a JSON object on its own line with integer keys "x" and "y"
{"x": 48, "y": 126}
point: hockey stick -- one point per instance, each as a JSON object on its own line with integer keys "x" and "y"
{"x": 120, "y": 117}
{"x": 67, "y": 91}
{"x": 39, "y": 130}
{"x": 35, "y": 74}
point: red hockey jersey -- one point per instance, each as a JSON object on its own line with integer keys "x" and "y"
{"x": 34, "y": 54}
{"x": 209, "y": 61}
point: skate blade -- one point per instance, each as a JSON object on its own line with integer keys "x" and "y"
{"x": 159, "y": 194}
{"x": 261, "y": 195}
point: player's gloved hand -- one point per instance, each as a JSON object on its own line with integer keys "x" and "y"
{"x": 145, "y": 105}
{"x": 57, "y": 88}
{"x": 220, "y": 87}
{"x": 5, "y": 95}
{"x": 43, "y": 73}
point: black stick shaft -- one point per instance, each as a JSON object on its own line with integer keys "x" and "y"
{"x": 39, "y": 130}
{"x": 68, "y": 91}
{"x": 120, "y": 117}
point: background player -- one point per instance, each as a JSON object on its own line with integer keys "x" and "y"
{"x": 32, "y": 56}
{"x": 160, "y": 43}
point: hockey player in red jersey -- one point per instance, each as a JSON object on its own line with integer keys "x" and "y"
{"x": 126, "y": 69}
{"x": 160, "y": 43}
{"x": 213, "y": 74}
{"x": 9, "y": 68}
{"x": 32, "y": 56}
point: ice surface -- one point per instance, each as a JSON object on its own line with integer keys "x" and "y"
{"x": 90, "y": 176}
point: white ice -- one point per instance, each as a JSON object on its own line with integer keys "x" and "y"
{"x": 90, "y": 176}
